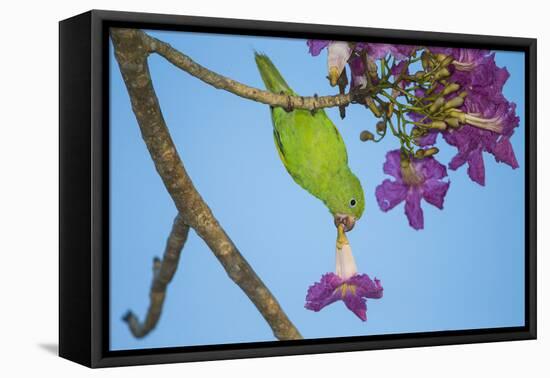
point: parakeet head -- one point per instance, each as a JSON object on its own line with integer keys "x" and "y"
{"x": 346, "y": 201}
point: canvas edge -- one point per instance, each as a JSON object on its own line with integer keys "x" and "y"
{"x": 98, "y": 355}
{"x": 75, "y": 334}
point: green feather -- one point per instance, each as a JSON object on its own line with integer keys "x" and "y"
{"x": 312, "y": 150}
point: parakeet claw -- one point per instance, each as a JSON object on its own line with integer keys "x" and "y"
{"x": 346, "y": 220}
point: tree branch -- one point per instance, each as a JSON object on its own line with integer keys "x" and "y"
{"x": 163, "y": 272}
{"x": 288, "y": 102}
{"x": 180, "y": 60}
{"x": 131, "y": 53}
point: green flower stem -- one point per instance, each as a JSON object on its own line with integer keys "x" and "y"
{"x": 380, "y": 136}
{"x": 394, "y": 131}
{"x": 380, "y": 93}
{"x": 383, "y": 67}
{"x": 395, "y": 102}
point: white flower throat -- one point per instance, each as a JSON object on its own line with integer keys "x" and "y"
{"x": 345, "y": 263}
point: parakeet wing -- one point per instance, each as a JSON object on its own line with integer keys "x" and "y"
{"x": 310, "y": 147}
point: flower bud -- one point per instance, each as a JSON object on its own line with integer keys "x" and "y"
{"x": 438, "y": 103}
{"x": 366, "y": 136}
{"x": 418, "y": 132}
{"x": 455, "y": 113}
{"x": 453, "y": 87}
{"x": 419, "y": 154}
{"x": 381, "y": 127}
{"x": 431, "y": 151}
{"x": 453, "y": 122}
{"x": 454, "y": 103}
{"x": 441, "y": 74}
{"x": 444, "y": 60}
{"x": 439, "y": 125}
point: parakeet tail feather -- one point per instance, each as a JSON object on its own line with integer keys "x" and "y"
{"x": 271, "y": 77}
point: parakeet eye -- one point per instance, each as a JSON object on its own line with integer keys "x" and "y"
{"x": 352, "y": 202}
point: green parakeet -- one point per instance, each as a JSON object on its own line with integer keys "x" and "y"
{"x": 313, "y": 152}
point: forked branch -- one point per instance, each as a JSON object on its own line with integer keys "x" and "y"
{"x": 131, "y": 53}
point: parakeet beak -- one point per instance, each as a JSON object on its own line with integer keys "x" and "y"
{"x": 346, "y": 220}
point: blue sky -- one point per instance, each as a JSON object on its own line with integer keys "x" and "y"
{"x": 464, "y": 270}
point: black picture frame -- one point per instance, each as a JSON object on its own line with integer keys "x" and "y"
{"x": 84, "y": 189}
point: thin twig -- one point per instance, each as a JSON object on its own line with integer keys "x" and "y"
{"x": 131, "y": 54}
{"x": 163, "y": 272}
